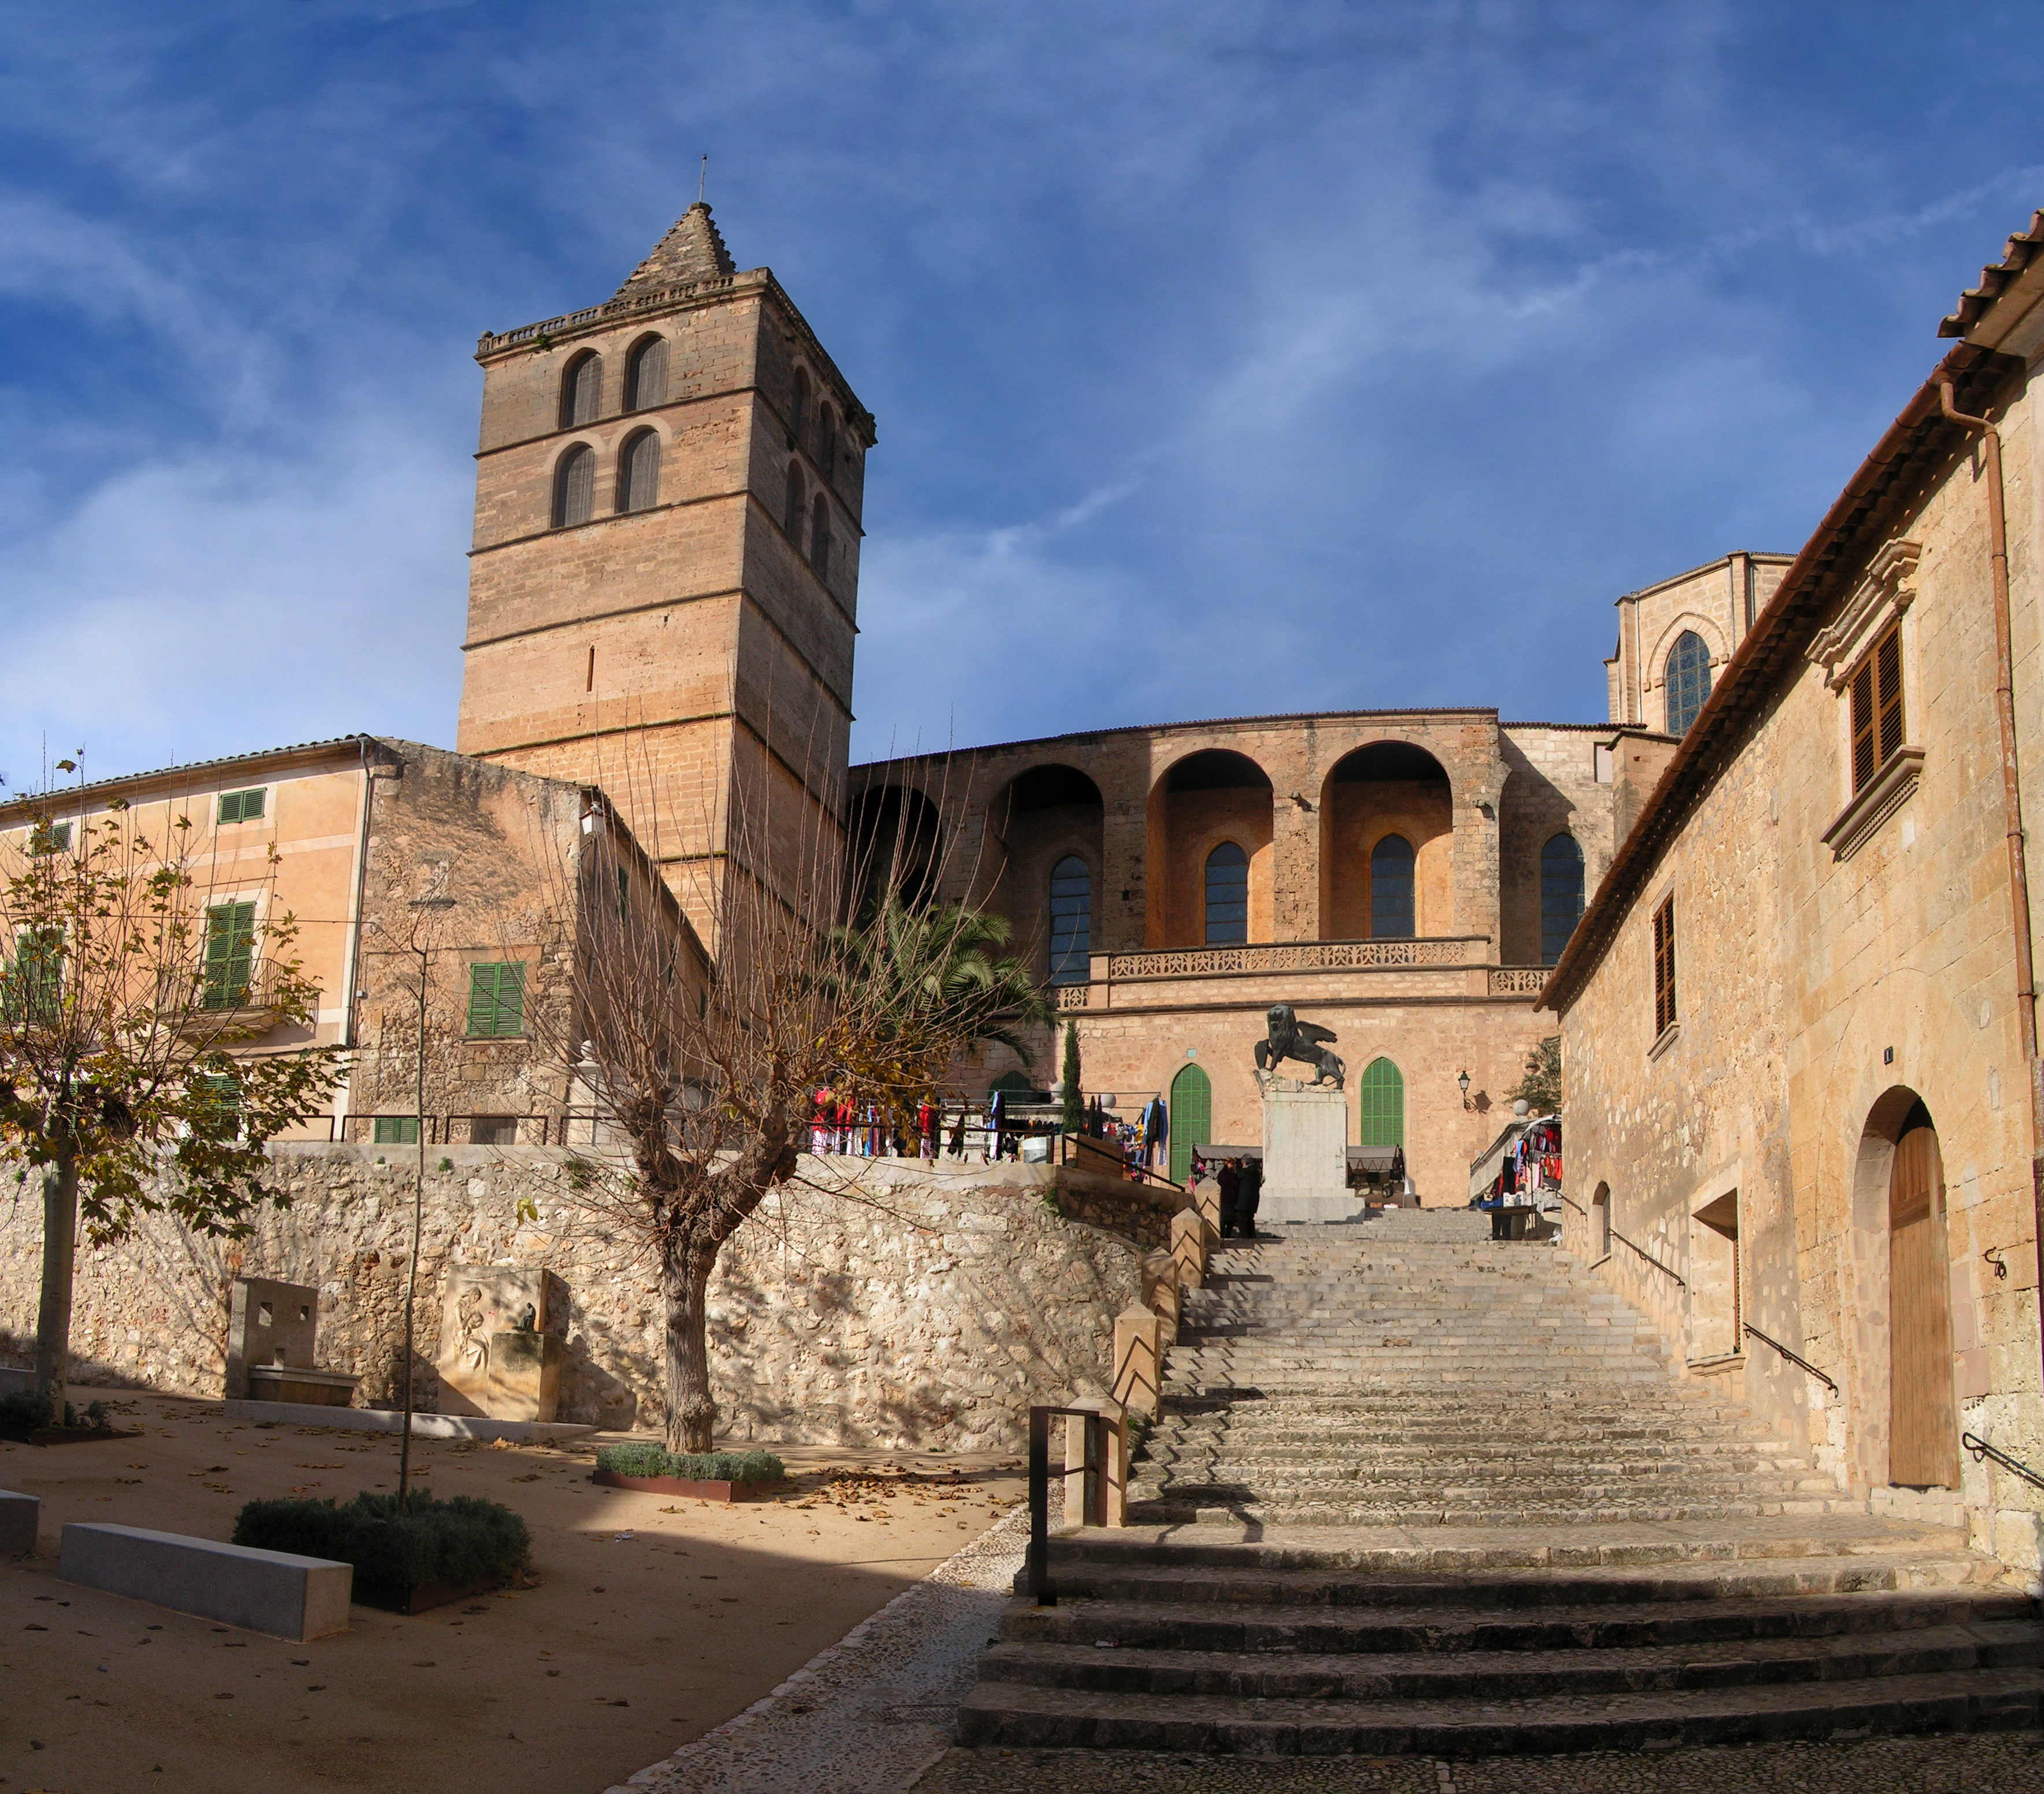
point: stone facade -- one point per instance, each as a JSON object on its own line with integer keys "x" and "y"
{"x": 922, "y": 1307}
{"x": 1717, "y": 603}
{"x": 1845, "y": 972}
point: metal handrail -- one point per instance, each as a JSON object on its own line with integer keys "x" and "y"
{"x": 1649, "y": 1257}
{"x": 1795, "y": 1358}
{"x": 1982, "y": 1450}
{"x": 1094, "y": 1498}
{"x": 1576, "y": 1206}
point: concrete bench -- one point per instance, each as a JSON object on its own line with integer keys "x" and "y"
{"x": 19, "y": 1516}
{"x": 271, "y": 1592}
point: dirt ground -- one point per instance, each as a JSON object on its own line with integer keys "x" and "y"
{"x": 654, "y": 1618}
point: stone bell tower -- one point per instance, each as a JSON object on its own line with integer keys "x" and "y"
{"x": 664, "y": 580}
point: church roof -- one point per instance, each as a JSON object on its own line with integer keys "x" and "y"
{"x": 1977, "y": 301}
{"x": 692, "y": 251}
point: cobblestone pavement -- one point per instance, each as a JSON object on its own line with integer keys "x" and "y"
{"x": 1994, "y": 1763}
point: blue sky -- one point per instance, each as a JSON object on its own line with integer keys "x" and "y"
{"x": 1228, "y": 358}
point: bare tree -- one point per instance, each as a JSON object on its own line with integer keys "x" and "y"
{"x": 131, "y": 1004}
{"x": 704, "y": 1073}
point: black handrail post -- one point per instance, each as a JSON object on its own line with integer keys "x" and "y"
{"x": 1039, "y": 1490}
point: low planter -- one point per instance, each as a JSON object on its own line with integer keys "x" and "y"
{"x": 437, "y": 1551}
{"x": 27, "y": 1420}
{"x": 417, "y": 1597}
{"x": 691, "y": 1487}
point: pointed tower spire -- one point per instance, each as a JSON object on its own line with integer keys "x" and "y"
{"x": 693, "y": 251}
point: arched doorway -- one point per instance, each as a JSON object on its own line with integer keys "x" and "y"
{"x": 1382, "y": 1094}
{"x": 1191, "y": 1104}
{"x": 1922, "y": 1422}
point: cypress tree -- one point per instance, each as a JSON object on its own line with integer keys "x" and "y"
{"x": 1074, "y": 1103}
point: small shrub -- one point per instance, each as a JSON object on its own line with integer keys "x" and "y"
{"x": 460, "y": 1540}
{"x": 693, "y": 1466}
{"x": 25, "y": 1409}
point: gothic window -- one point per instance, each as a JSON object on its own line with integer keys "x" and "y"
{"x": 646, "y": 374}
{"x": 1382, "y": 1096}
{"x": 639, "y": 472}
{"x": 798, "y": 413}
{"x": 1689, "y": 680}
{"x": 1391, "y": 913}
{"x": 1876, "y": 708}
{"x": 791, "y": 520}
{"x": 574, "y": 486}
{"x": 581, "y": 392}
{"x": 1071, "y": 920}
{"x": 1227, "y": 895}
{"x": 1561, "y": 895}
{"x": 819, "y": 536}
{"x": 827, "y": 442}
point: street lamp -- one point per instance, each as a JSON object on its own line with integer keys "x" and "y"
{"x": 1463, "y": 1079}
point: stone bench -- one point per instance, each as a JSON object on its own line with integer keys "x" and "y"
{"x": 269, "y": 1591}
{"x": 19, "y": 1516}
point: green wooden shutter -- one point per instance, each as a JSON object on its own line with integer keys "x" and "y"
{"x": 1191, "y": 1104}
{"x": 1383, "y": 1094}
{"x": 230, "y": 954}
{"x": 496, "y": 997}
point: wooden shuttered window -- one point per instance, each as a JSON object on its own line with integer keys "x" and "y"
{"x": 574, "y": 487}
{"x": 230, "y": 954}
{"x": 497, "y": 999}
{"x": 1877, "y": 708}
{"x": 645, "y": 379}
{"x": 639, "y": 473}
{"x": 1664, "y": 967}
{"x": 581, "y": 392}
{"x": 242, "y": 806}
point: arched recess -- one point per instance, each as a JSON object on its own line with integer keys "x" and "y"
{"x": 1381, "y": 1094}
{"x": 639, "y": 471}
{"x": 1903, "y": 1393}
{"x": 581, "y": 390}
{"x": 896, "y": 841}
{"x": 574, "y": 486}
{"x": 1601, "y": 1222}
{"x": 1214, "y": 796}
{"x": 1039, "y": 819}
{"x": 646, "y": 374}
{"x": 1386, "y": 788}
{"x": 1190, "y": 1103}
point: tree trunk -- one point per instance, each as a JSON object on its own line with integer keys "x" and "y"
{"x": 59, "y": 1254}
{"x": 691, "y": 1409}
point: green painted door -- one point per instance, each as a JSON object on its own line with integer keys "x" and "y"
{"x": 1383, "y": 1093}
{"x": 1191, "y": 1104}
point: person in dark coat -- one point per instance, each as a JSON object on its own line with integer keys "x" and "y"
{"x": 1249, "y": 1192}
{"x": 1229, "y": 1178}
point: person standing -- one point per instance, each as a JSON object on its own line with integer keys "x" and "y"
{"x": 1229, "y": 1178}
{"x": 1249, "y": 1192}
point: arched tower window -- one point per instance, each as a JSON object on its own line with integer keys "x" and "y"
{"x": 639, "y": 472}
{"x": 1561, "y": 895}
{"x": 1382, "y": 1092}
{"x": 574, "y": 486}
{"x": 1689, "y": 673}
{"x": 792, "y": 522}
{"x": 646, "y": 374}
{"x": 827, "y": 442}
{"x": 798, "y": 412}
{"x": 1391, "y": 913}
{"x": 819, "y": 536}
{"x": 1191, "y": 1105}
{"x": 581, "y": 392}
{"x": 1071, "y": 920}
{"x": 1227, "y": 895}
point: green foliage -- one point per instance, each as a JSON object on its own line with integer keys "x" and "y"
{"x": 645, "y": 1459}
{"x": 460, "y": 1540}
{"x": 25, "y": 1411}
{"x": 1074, "y": 1116}
{"x": 1541, "y": 1087}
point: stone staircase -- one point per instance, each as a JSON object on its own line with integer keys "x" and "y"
{"x": 1414, "y": 1492}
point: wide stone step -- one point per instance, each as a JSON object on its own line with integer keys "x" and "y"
{"x": 1016, "y": 1715}
{"x": 1425, "y": 1511}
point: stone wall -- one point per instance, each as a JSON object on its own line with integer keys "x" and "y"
{"x": 871, "y": 1302}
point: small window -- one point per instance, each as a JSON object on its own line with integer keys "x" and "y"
{"x": 820, "y": 537}
{"x": 624, "y": 894}
{"x": 32, "y": 985}
{"x": 230, "y": 955}
{"x": 493, "y": 1130}
{"x": 827, "y": 442}
{"x": 1664, "y": 968}
{"x": 1561, "y": 895}
{"x": 791, "y": 519}
{"x": 497, "y": 999}
{"x": 1877, "y": 708}
{"x": 798, "y": 413}
{"x": 240, "y": 807}
{"x": 1688, "y": 676}
{"x": 574, "y": 487}
{"x": 639, "y": 473}
{"x": 263, "y": 1314}
{"x": 49, "y": 837}
{"x": 1227, "y": 895}
{"x": 646, "y": 374}
{"x": 581, "y": 392}
{"x": 397, "y": 1130}
{"x": 1071, "y": 921}
{"x": 1391, "y": 908}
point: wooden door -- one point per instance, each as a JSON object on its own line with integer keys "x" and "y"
{"x": 1923, "y": 1440}
{"x": 1191, "y": 1103}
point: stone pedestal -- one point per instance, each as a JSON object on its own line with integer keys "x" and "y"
{"x": 525, "y": 1376}
{"x": 1305, "y": 1156}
